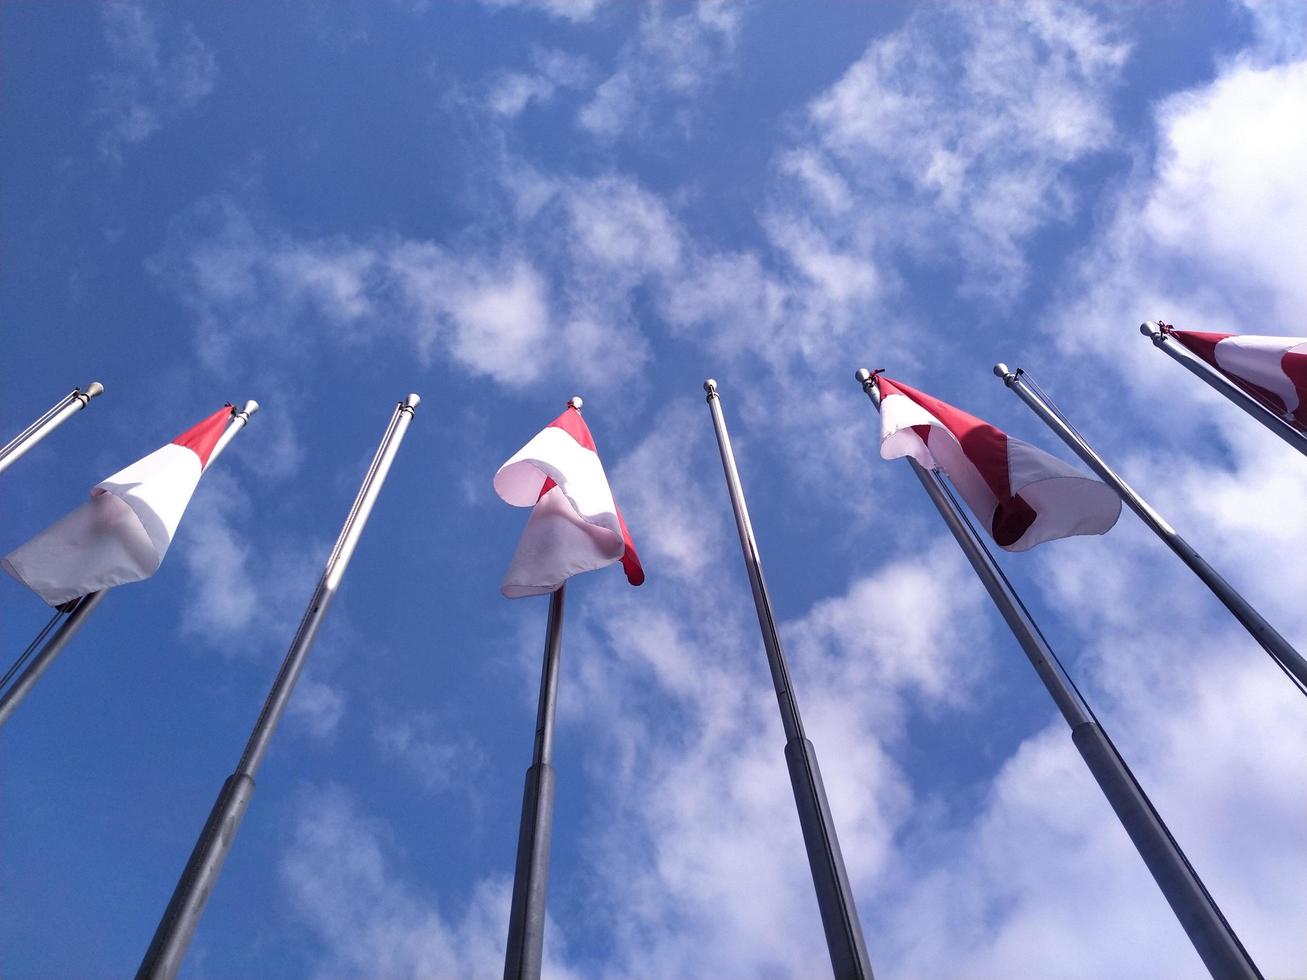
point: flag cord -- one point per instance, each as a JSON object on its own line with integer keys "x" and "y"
{"x": 31, "y": 648}
{"x": 1089, "y": 710}
{"x": 1052, "y": 407}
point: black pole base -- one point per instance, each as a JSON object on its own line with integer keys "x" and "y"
{"x": 839, "y": 915}
{"x": 526, "y": 921}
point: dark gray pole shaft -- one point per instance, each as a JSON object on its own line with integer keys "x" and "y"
{"x": 839, "y": 914}
{"x": 524, "y": 952}
{"x": 1197, "y": 366}
{"x": 55, "y": 416}
{"x": 1262, "y": 631}
{"x": 41, "y": 662}
{"x": 168, "y": 947}
{"x": 1197, "y": 912}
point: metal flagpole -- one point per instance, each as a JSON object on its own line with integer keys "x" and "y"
{"x": 64, "y": 409}
{"x": 1262, "y": 631}
{"x": 81, "y": 608}
{"x": 526, "y": 920}
{"x": 839, "y": 916}
{"x": 168, "y": 948}
{"x": 1278, "y": 424}
{"x": 1200, "y": 917}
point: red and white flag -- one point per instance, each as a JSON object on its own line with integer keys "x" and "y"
{"x": 1022, "y": 495}
{"x": 1271, "y": 369}
{"x": 575, "y": 525}
{"x": 122, "y": 533}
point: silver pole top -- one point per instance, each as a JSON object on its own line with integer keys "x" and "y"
{"x": 1152, "y": 329}
{"x": 93, "y": 389}
{"x": 249, "y": 408}
{"x": 710, "y": 386}
{"x": 412, "y": 401}
{"x": 1001, "y": 370}
{"x": 863, "y": 376}
{"x": 576, "y": 401}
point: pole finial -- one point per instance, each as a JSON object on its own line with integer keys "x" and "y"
{"x": 862, "y": 375}
{"x": 93, "y": 389}
{"x": 1001, "y": 370}
{"x": 576, "y": 401}
{"x": 248, "y": 409}
{"x": 710, "y": 386}
{"x": 413, "y": 400}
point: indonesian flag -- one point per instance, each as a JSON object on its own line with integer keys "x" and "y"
{"x": 575, "y": 525}
{"x": 1271, "y": 369}
{"x": 1021, "y": 494}
{"x": 122, "y": 533}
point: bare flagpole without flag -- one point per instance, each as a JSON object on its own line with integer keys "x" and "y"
{"x": 168, "y": 948}
{"x": 839, "y": 915}
{"x": 1200, "y": 917}
{"x": 79, "y": 609}
{"x": 57, "y": 415}
{"x": 1289, "y": 659}
{"x": 1159, "y": 334}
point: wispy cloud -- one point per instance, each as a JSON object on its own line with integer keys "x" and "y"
{"x": 151, "y": 81}
{"x": 669, "y": 63}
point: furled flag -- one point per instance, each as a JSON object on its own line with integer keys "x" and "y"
{"x": 1271, "y": 369}
{"x": 1021, "y": 494}
{"x": 122, "y": 533}
{"x": 575, "y": 525}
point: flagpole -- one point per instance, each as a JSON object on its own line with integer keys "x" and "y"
{"x": 524, "y": 952}
{"x": 41, "y": 662}
{"x": 1212, "y": 936}
{"x": 839, "y": 916}
{"x": 55, "y": 416}
{"x": 168, "y": 948}
{"x": 238, "y": 421}
{"x": 83, "y": 607}
{"x": 1262, "y": 631}
{"x": 1278, "y": 424}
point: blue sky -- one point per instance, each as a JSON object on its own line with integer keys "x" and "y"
{"x": 501, "y": 204}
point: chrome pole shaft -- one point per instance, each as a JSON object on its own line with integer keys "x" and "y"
{"x": 168, "y": 948}
{"x": 839, "y": 914}
{"x": 57, "y": 415}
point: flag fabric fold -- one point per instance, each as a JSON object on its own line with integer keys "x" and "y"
{"x": 575, "y": 525}
{"x": 1022, "y": 495}
{"x": 1271, "y": 369}
{"x": 123, "y": 532}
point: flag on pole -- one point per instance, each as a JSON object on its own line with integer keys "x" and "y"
{"x": 1022, "y": 495}
{"x": 575, "y": 525}
{"x": 122, "y": 533}
{"x": 1271, "y": 369}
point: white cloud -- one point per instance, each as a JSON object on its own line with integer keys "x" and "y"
{"x": 512, "y": 91}
{"x": 550, "y": 303}
{"x": 960, "y": 127}
{"x": 435, "y": 756}
{"x": 573, "y": 10}
{"x": 317, "y": 707}
{"x": 674, "y": 58}
{"x": 148, "y": 84}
